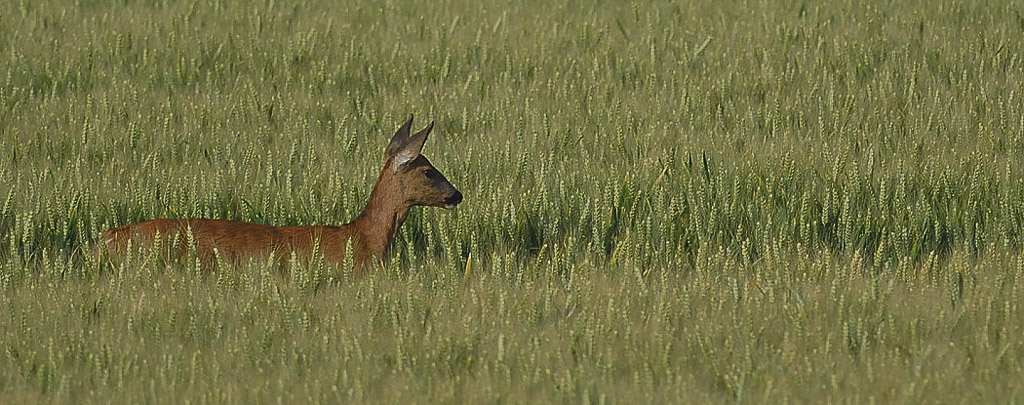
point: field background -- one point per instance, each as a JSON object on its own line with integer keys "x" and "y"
{"x": 701, "y": 201}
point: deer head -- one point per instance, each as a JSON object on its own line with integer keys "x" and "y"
{"x": 419, "y": 181}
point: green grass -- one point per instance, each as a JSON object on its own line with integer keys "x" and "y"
{"x": 727, "y": 202}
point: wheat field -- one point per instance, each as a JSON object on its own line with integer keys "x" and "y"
{"x": 665, "y": 202}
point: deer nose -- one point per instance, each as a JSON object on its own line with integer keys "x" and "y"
{"x": 454, "y": 198}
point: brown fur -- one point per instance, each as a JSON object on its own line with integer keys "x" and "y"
{"x": 407, "y": 179}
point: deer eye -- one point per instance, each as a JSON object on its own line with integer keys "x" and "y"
{"x": 429, "y": 173}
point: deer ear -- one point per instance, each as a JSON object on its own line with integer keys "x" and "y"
{"x": 412, "y": 146}
{"x": 399, "y": 140}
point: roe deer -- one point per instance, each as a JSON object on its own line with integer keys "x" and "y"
{"x": 407, "y": 179}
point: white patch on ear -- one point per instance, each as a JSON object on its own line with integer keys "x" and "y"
{"x": 403, "y": 157}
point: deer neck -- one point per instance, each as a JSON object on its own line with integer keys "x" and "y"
{"x": 377, "y": 225}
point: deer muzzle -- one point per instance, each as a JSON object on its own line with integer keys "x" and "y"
{"x": 451, "y": 201}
